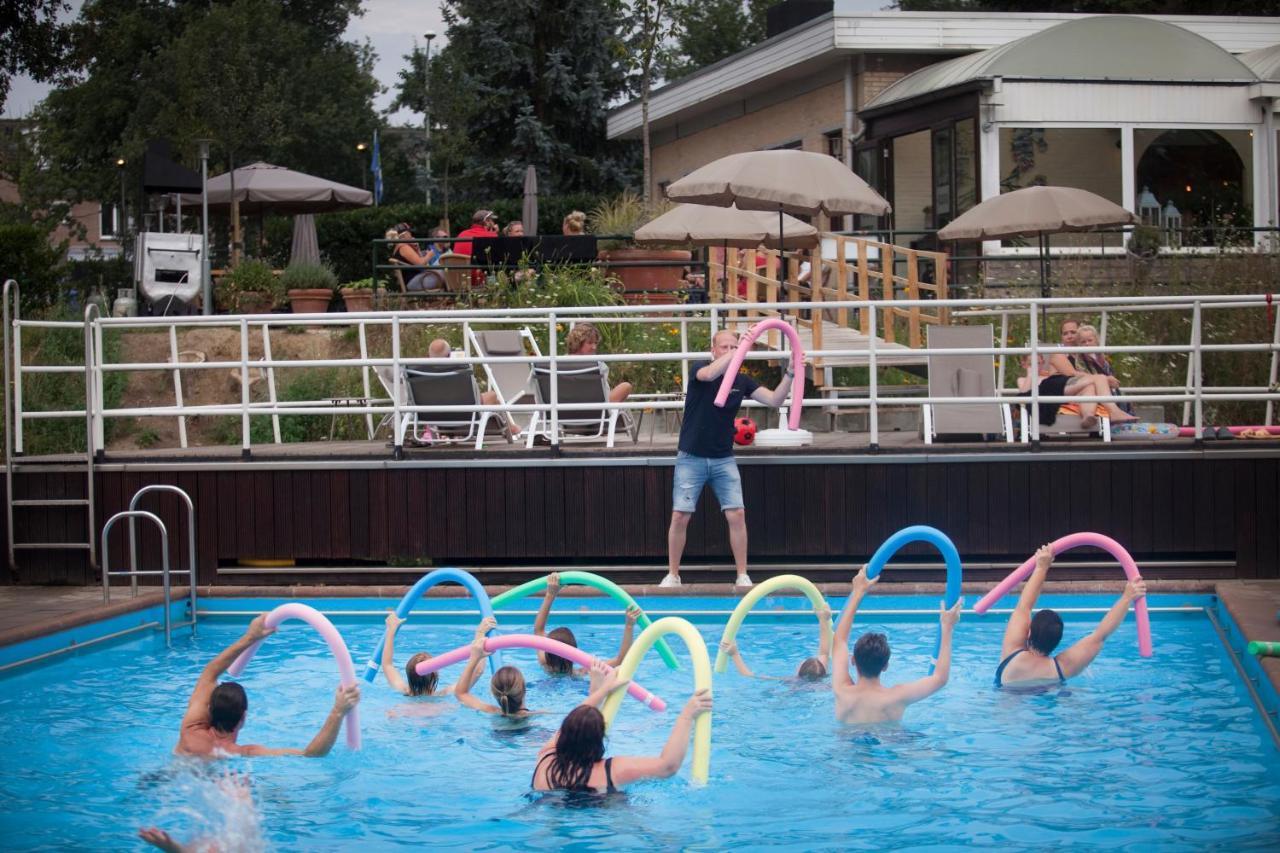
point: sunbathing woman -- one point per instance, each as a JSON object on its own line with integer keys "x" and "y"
{"x": 573, "y": 759}
{"x": 556, "y": 665}
{"x": 1075, "y": 384}
{"x": 811, "y": 669}
{"x": 507, "y": 684}
{"x": 412, "y": 684}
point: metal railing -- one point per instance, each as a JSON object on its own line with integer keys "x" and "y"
{"x": 164, "y": 572}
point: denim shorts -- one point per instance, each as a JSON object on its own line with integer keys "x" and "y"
{"x": 693, "y": 472}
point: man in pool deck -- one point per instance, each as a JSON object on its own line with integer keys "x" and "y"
{"x": 216, "y": 711}
{"x": 869, "y": 701}
{"x": 706, "y": 452}
{"x": 1038, "y": 636}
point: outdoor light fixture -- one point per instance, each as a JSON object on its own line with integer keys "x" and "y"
{"x": 360, "y": 147}
{"x": 1173, "y": 225}
{"x": 426, "y": 115}
{"x": 1148, "y": 208}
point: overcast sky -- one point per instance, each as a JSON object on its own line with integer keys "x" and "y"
{"x": 391, "y": 26}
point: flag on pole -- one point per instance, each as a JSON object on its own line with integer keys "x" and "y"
{"x": 376, "y": 167}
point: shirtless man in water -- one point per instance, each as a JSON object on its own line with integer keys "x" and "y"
{"x": 216, "y": 711}
{"x": 867, "y": 700}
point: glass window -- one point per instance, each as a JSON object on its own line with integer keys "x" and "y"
{"x": 912, "y": 183}
{"x": 966, "y": 169}
{"x": 1201, "y": 179}
{"x": 109, "y": 223}
{"x": 834, "y": 141}
{"x": 1084, "y": 157}
{"x": 942, "y": 195}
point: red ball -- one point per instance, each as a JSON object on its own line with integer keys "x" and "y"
{"x": 745, "y": 431}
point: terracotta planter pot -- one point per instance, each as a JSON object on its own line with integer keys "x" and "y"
{"x": 310, "y": 300}
{"x": 648, "y": 283}
{"x": 357, "y": 300}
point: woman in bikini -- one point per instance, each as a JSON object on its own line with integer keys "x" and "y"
{"x": 573, "y": 759}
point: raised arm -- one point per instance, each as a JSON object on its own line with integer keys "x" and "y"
{"x": 715, "y": 369}
{"x": 345, "y": 699}
{"x": 824, "y": 635}
{"x": 1082, "y": 653}
{"x": 544, "y": 611}
{"x": 604, "y": 680}
{"x": 388, "y": 654}
{"x": 1062, "y": 364}
{"x": 840, "y": 665}
{"x": 777, "y": 396}
{"x": 628, "y": 631}
{"x": 471, "y": 672}
{"x": 631, "y": 768}
{"x": 1015, "y": 633}
{"x": 197, "y": 712}
{"x": 914, "y": 691}
{"x": 730, "y": 648}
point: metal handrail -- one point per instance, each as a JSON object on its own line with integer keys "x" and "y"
{"x": 164, "y": 564}
{"x": 10, "y": 424}
{"x": 191, "y": 539}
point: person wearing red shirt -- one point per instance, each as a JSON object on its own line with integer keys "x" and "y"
{"x": 484, "y": 223}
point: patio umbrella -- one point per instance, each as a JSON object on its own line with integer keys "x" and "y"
{"x": 306, "y": 248}
{"x": 262, "y": 187}
{"x": 529, "y": 213}
{"x": 787, "y": 180}
{"x": 1039, "y": 212}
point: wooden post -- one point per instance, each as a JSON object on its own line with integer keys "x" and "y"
{"x": 913, "y": 292}
{"x": 842, "y": 286}
{"x": 864, "y": 285}
{"x": 887, "y": 282}
{"x": 944, "y": 314}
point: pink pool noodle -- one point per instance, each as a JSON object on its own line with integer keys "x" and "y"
{"x": 1066, "y": 543}
{"x": 1189, "y": 432}
{"x": 316, "y": 619}
{"x": 529, "y": 641}
{"x": 797, "y": 365}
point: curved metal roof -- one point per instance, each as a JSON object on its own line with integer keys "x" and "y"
{"x": 1264, "y": 62}
{"x": 1105, "y": 47}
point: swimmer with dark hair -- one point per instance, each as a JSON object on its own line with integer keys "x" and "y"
{"x": 867, "y": 700}
{"x": 556, "y": 665}
{"x": 412, "y": 684}
{"x": 507, "y": 684}
{"x": 1029, "y": 641}
{"x": 811, "y": 669}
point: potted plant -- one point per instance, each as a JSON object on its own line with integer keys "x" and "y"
{"x": 250, "y": 287}
{"x": 622, "y": 216}
{"x": 358, "y": 295}
{"x": 310, "y": 287}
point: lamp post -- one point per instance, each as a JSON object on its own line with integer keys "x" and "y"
{"x": 426, "y": 109}
{"x": 206, "y": 276}
{"x": 120, "y": 223}
{"x": 360, "y": 147}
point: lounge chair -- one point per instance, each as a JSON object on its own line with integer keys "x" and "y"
{"x": 963, "y": 376}
{"x": 456, "y": 280}
{"x": 446, "y": 385}
{"x": 585, "y": 384}
{"x": 511, "y": 381}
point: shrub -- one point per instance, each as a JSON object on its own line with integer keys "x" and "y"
{"x": 27, "y": 258}
{"x": 308, "y": 275}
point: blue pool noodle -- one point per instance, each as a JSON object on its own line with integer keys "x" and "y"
{"x": 458, "y": 576}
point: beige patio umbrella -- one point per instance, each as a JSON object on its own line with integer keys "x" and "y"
{"x": 1038, "y": 211}
{"x": 262, "y": 187}
{"x": 705, "y": 225}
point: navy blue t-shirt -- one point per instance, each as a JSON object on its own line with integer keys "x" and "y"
{"x": 708, "y": 430}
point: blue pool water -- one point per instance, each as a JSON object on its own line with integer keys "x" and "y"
{"x": 1167, "y": 752}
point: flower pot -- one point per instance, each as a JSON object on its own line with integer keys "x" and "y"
{"x": 310, "y": 300}
{"x": 251, "y": 302}
{"x": 653, "y": 284}
{"x": 357, "y": 299}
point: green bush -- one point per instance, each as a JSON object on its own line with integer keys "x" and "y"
{"x": 27, "y": 258}
{"x": 308, "y": 275}
{"x": 303, "y": 385}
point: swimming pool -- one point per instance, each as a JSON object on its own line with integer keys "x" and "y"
{"x": 1166, "y": 752}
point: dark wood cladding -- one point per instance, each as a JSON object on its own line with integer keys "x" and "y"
{"x": 1184, "y": 507}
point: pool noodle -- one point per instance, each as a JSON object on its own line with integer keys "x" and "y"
{"x": 797, "y": 366}
{"x": 458, "y": 576}
{"x": 1264, "y": 648}
{"x": 753, "y": 597}
{"x": 530, "y": 641}
{"x": 701, "y": 681}
{"x": 596, "y": 582}
{"x": 317, "y": 620}
{"x": 950, "y": 556}
{"x": 1066, "y": 543}
{"x": 1189, "y": 432}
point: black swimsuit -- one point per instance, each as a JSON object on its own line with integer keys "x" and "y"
{"x": 1062, "y": 679}
{"x": 608, "y": 774}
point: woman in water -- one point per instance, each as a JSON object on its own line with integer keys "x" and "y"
{"x": 507, "y": 684}
{"x": 573, "y": 759}
{"x": 412, "y": 684}
{"x": 556, "y": 665}
{"x": 811, "y": 669}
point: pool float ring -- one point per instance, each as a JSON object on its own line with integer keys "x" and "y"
{"x": 701, "y": 681}
{"x": 530, "y": 641}
{"x": 1145, "y": 431}
{"x": 753, "y": 597}
{"x": 594, "y": 581}
{"x": 1066, "y": 543}
{"x": 939, "y": 540}
{"x": 792, "y": 436}
{"x": 458, "y": 576}
{"x": 1264, "y": 648}
{"x": 316, "y": 619}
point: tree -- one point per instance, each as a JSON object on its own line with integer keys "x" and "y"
{"x": 31, "y": 41}
{"x": 650, "y": 27}
{"x": 709, "y": 31}
{"x": 539, "y": 77}
{"x": 1097, "y": 7}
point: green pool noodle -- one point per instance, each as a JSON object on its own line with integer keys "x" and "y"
{"x": 594, "y": 581}
{"x": 1264, "y": 648}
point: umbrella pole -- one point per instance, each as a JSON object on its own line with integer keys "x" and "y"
{"x": 1043, "y": 282}
{"x": 724, "y": 271}
{"x": 782, "y": 253}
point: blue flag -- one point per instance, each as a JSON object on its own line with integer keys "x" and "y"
{"x": 376, "y": 167}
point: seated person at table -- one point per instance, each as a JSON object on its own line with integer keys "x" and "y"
{"x": 216, "y": 712}
{"x": 507, "y": 684}
{"x": 408, "y": 254}
{"x": 1030, "y": 640}
{"x": 584, "y": 339}
{"x": 557, "y": 665}
{"x": 574, "y": 224}
{"x": 573, "y": 759}
{"x": 811, "y": 669}
{"x": 867, "y": 700}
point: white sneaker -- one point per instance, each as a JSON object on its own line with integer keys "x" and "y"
{"x": 743, "y": 580}
{"x": 670, "y": 580}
